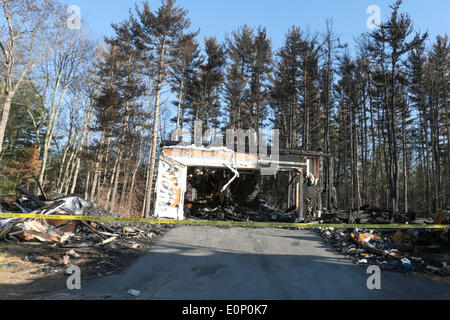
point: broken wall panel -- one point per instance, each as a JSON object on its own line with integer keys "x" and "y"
{"x": 170, "y": 190}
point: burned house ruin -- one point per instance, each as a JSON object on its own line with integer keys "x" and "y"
{"x": 193, "y": 178}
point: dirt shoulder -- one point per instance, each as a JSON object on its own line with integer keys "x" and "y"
{"x": 29, "y": 270}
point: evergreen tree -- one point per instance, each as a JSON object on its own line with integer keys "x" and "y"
{"x": 261, "y": 69}
{"x": 285, "y": 89}
{"x": 239, "y": 49}
{"x": 155, "y": 33}
{"x": 393, "y": 37}
{"x": 185, "y": 67}
{"x": 205, "y": 88}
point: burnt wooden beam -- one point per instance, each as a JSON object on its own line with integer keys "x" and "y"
{"x": 32, "y": 196}
{"x": 40, "y": 188}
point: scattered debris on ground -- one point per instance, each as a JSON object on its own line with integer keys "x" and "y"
{"x": 411, "y": 250}
{"x": 234, "y": 212}
{"x": 74, "y": 234}
{"x": 37, "y": 252}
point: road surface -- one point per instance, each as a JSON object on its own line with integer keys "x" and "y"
{"x": 222, "y": 263}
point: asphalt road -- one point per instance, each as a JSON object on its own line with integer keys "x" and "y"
{"x": 218, "y": 263}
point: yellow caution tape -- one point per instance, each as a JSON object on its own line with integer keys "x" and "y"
{"x": 225, "y": 223}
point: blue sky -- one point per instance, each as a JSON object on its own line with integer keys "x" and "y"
{"x": 219, "y": 17}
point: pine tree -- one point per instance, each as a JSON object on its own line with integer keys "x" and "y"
{"x": 438, "y": 79}
{"x": 185, "y": 68}
{"x": 239, "y": 49}
{"x": 205, "y": 88}
{"x": 285, "y": 89}
{"x": 393, "y": 36}
{"x": 309, "y": 93}
{"x": 260, "y": 74}
{"x": 155, "y": 33}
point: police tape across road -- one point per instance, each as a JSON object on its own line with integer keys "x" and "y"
{"x": 224, "y": 223}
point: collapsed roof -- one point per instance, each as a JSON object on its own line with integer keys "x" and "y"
{"x": 175, "y": 161}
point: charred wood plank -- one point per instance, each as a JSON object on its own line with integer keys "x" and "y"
{"x": 84, "y": 223}
{"x": 32, "y": 196}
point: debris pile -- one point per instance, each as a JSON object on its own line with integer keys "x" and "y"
{"x": 234, "y": 212}
{"x": 365, "y": 216}
{"x": 404, "y": 251}
{"x": 71, "y": 234}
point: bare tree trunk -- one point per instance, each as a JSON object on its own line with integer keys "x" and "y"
{"x": 358, "y": 191}
{"x": 5, "y": 116}
{"x": 180, "y": 101}
{"x": 447, "y": 129}
{"x": 155, "y": 130}
{"x": 374, "y": 161}
{"x": 54, "y": 113}
{"x": 147, "y": 182}
{"x": 68, "y": 177}
{"x": 116, "y": 179}
{"x": 113, "y": 175}
{"x": 86, "y": 133}
{"x": 345, "y": 170}
{"x": 364, "y": 151}
{"x": 394, "y": 153}
{"x": 133, "y": 179}
{"x": 75, "y": 175}
{"x": 86, "y": 187}
{"x": 103, "y": 181}
{"x": 75, "y": 153}
{"x": 435, "y": 149}
{"x": 136, "y": 168}
{"x": 67, "y": 174}
{"x": 306, "y": 115}
{"x": 352, "y": 159}
{"x": 63, "y": 161}
{"x": 97, "y": 169}
{"x": 405, "y": 166}
{"x": 88, "y": 175}
{"x": 124, "y": 186}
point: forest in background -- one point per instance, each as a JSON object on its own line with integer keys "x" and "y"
{"x": 87, "y": 117}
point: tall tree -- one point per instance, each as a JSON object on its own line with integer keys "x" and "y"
{"x": 27, "y": 33}
{"x": 439, "y": 59}
{"x": 204, "y": 89}
{"x": 285, "y": 89}
{"x": 331, "y": 45}
{"x": 309, "y": 93}
{"x": 239, "y": 49}
{"x": 261, "y": 67}
{"x": 66, "y": 66}
{"x": 394, "y": 36}
{"x": 155, "y": 33}
{"x": 185, "y": 67}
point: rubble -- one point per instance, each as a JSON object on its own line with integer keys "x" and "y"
{"x": 423, "y": 251}
{"x": 198, "y": 174}
{"x": 44, "y": 248}
{"x": 231, "y": 211}
{"x": 70, "y": 234}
